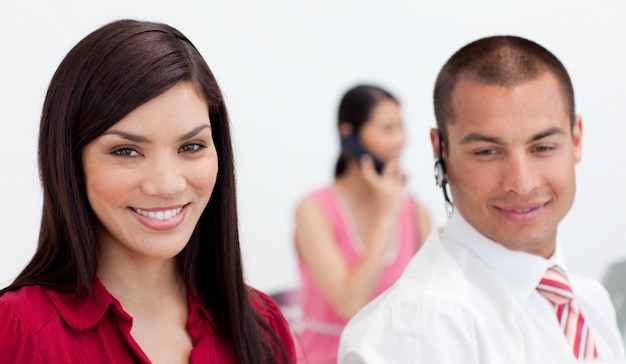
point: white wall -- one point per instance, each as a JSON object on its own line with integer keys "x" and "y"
{"x": 283, "y": 66}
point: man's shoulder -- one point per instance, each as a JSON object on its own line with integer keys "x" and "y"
{"x": 432, "y": 281}
{"x": 426, "y": 305}
{"x": 432, "y": 272}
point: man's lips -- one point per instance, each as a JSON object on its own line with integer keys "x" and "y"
{"x": 521, "y": 213}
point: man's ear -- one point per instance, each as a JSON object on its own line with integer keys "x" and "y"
{"x": 577, "y": 138}
{"x": 434, "y": 141}
{"x": 345, "y": 128}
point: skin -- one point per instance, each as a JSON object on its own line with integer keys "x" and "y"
{"x": 373, "y": 200}
{"x": 511, "y": 159}
{"x": 158, "y": 158}
{"x": 384, "y": 133}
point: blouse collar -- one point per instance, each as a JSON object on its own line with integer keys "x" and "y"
{"x": 88, "y": 312}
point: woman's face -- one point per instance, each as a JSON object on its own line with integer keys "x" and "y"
{"x": 149, "y": 177}
{"x": 383, "y": 133}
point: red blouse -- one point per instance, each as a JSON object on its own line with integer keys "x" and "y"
{"x": 38, "y": 325}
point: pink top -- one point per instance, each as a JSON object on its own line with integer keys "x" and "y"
{"x": 39, "y": 325}
{"x": 322, "y": 326}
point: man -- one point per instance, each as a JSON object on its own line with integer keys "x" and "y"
{"x": 492, "y": 286}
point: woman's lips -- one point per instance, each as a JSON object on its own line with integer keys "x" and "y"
{"x": 158, "y": 214}
{"x": 160, "y": 219}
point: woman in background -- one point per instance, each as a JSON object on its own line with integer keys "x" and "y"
{"x": 138, "y": 258}
{"x": 355, "y": 237}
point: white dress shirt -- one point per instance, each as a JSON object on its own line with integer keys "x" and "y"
{"x": 466, "y": 299}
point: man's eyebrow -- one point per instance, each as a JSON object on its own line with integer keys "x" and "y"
{"x": 478, "y": 137}
{"x": 195, "y": 131}
{"x": 552, "y": 131}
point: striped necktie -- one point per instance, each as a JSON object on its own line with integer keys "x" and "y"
{"x": 555, "y": 287}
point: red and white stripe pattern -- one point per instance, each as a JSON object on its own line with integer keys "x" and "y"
{"x": 555, "y": 287}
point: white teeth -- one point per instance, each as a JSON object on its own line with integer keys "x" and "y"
{"x": 159, "y": 215}
{"x": 523, "y": 210}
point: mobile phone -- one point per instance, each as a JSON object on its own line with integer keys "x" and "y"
{"x": 351, "y": 147}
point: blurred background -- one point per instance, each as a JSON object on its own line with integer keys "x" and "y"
{"x": 283, "y": 66}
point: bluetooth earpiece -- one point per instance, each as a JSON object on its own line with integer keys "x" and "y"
{"x": 440, "y": 173}
{"x": 441, "y": 180}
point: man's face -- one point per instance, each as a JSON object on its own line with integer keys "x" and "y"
{"x": 510, "y": 161}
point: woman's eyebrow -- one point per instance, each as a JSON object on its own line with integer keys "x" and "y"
{"x": 195, "y": 131}
{"x": 129, "y": 136}
{"x": 142, "y": 139}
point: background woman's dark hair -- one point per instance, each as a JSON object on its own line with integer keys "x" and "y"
{"x": 355, "y": 109}
{"x": 109, "y": 73}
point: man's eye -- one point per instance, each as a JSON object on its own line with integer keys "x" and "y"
{"x": 544, "y": 148}
{"x": 486, "y": 152}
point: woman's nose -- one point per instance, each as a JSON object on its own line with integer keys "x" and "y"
{"x": 163, "y": 177}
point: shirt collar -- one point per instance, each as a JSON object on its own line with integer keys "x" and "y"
{"x": 521, "y": 271}
{"x": 86, "y": 313}
{"x": 197, "y": 306}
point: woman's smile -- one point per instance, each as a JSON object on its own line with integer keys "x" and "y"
{"x": 160, "y": 219}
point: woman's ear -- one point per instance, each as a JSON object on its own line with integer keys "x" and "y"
{"x": 345, "y": 128}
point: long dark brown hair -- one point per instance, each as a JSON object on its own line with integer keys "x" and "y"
{"x": 112, "y": 71}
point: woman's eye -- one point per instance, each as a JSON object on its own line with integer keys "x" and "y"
{"x": 191, "y": 148}
{"x": 126, "y": 153}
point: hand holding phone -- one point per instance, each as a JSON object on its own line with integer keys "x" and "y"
{"x": 351, "y": 147}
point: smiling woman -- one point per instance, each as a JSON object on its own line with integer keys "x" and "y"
{"x": 138, "y": 258}
{"x": 150, "y": 176}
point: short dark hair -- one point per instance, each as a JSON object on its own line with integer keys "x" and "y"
{"x": 497, "y": 60}
{"x": 109, "y": 73}
{"x": 355, "y": 108}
